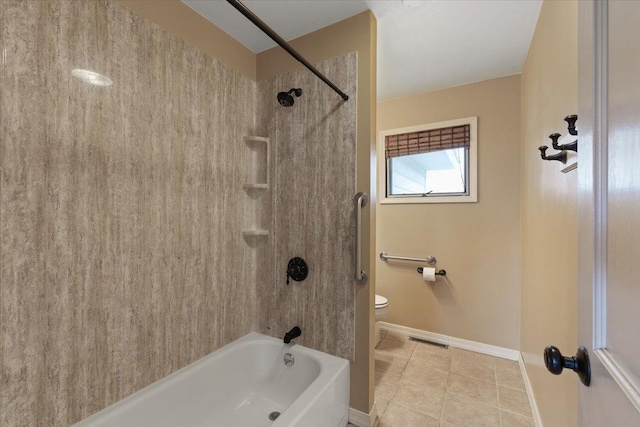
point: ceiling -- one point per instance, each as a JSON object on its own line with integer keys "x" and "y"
{"x": 423, "y": 45}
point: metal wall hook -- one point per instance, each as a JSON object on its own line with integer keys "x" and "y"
{"x": 571, "y": 122}
{"x": 571, "y": 146}
{"x": 561, "y": 156}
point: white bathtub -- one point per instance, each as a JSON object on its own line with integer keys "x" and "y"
{"x": 240, "y": 385}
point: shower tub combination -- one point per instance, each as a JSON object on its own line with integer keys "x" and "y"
{"x": 254, "y": 381}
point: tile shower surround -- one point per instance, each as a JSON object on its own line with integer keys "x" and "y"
{"x": 310, "y": 208}
{"x": 122, "y": 209}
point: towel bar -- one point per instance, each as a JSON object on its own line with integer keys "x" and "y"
{"x": 431, "y": 260}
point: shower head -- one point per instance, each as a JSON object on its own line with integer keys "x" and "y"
{"x": 286, "y": 100}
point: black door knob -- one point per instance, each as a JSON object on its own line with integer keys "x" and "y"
{"x": 556, "y": 362}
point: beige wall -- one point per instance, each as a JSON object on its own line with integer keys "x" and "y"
{"x": 549, "y": 214}
{"x": 476, "y": 243}
{"x": 190, "y": 26}
{"x": 358, "y": 34}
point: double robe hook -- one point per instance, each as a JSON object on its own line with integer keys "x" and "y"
{"x": 563, "y": 148}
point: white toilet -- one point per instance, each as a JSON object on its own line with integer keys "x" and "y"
{"x": 382, "y": 305}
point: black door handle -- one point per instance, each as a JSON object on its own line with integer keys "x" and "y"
{"x": 556, "y": 362}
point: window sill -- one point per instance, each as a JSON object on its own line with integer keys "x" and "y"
{"x": 428, "y": 200}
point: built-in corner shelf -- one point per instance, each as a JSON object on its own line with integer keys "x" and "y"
{"x": 257, "y": 184}
{"x": 255, "y": 233}
{"x": 258, "y": 176}
{"x": 255, "y": 187}
{"x": 253, "y": 141}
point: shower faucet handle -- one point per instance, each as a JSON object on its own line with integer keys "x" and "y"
{"x": 297, "y": 269}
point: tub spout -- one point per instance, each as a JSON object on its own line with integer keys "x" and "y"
{"x": 293, "y": 333}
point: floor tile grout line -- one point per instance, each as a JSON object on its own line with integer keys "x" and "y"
{"x": 444, "y": 402}
{"x": 473, "y": 399}
{"x": 473, "y": 378}
{"x": 512, "y": 388}
{"x": 405, "y": 406}
{"x": 495, "y": 374}
{"x": 516, "y": 413}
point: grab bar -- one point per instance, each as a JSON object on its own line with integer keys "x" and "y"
{"x": 361, "y": 201}
{"x": 431, "y": 260}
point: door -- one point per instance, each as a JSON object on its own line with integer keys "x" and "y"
{"x": 609, "y": 211}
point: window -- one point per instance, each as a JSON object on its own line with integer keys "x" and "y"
{"x": 434, "y": 163}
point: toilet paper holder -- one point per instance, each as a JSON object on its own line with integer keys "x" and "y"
{"x": 438, "y": 273}
{"x": 431, "y": 260}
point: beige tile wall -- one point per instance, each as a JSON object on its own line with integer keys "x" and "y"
{"x": 121, "y": 208}
{"x": 179, "y": 19}
{"x": 355, "y": 34}
{"x": 310, "y": 210}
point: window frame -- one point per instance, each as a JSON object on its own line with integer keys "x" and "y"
{"x": 472, "y": 166}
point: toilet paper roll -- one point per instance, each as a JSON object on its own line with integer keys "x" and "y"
{"x": 428, "y": 274}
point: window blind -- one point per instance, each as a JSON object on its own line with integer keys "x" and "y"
{"x": 426, "y": 141}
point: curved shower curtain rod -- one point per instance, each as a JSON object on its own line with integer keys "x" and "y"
{"x": 276, "y": 38}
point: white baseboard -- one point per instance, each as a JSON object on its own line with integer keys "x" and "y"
{"x": 362, "y": 419}
{"x": 492, "y": 350}
{"x": 532, "y": 400}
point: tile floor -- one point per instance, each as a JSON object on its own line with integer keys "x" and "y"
{"x": 422, "y": 385}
